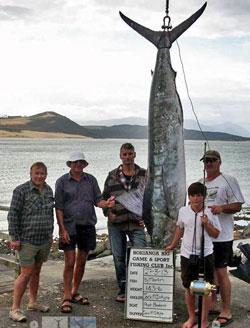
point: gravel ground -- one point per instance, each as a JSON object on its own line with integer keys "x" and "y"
{"x": 108, "y": 313}
{"x": 100, "y": 287}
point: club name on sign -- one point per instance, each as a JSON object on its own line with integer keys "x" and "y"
{"x": 150, "y": 282}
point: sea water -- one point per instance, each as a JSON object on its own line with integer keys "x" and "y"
{"x": 17, "y": 155}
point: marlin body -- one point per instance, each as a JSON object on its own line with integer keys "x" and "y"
{"x": 166, "y": 181}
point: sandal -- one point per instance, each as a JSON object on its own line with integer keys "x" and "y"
{"x": 120, "y": 298}
{"x": 66, "y": 307}
{"x": 79, "y": 299}
{"x": 226, "y": 321}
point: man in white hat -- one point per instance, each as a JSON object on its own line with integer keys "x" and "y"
{"x": 76, "y": 194}
{"x": 224, "y": 197}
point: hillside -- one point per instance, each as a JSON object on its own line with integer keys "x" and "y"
{"x": 61, "y": 126}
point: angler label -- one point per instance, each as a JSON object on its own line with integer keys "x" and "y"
{"x": 150, "y": 285}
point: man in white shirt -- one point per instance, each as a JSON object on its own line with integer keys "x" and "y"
{"x": 224, "y": 198}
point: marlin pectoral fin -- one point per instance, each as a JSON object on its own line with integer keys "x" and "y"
{"x": 181, "y": 28}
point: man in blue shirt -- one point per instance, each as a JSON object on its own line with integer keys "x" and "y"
{"x": 76, "y": 195}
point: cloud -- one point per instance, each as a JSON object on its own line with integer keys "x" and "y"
{"x": 80, "y": 59}
{"x": 14, "y": 12}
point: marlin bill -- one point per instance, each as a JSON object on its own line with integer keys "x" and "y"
{"x": 166, "y": 181}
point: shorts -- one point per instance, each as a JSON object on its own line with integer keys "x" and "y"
{"x": 190, "y": 272}
{"x": 223, "y": 252}
{"x": 85, "y": 239}
{"x": 30, "y": 254}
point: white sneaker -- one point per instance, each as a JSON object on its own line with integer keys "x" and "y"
{"x": 17, "y": 315}
{"x": 38, "y": 307}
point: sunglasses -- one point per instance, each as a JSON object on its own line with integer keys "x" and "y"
{"x": 210, "y": 160}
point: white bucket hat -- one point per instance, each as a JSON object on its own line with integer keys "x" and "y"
{"x": 76, "y": 156}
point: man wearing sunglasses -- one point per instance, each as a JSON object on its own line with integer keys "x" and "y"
{"x": 76, "y": 194}
{"x": 224, "y": 197}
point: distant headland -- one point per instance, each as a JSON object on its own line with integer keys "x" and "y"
{"x": 53, "y": 125}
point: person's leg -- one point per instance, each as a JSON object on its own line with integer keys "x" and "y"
{"x": 190, "y": 303}
{"x": 86, "y": 241}
{"x": 118, "y": 242}
{"x": 26, "y": 254}
{"x": 69, "y": 263}
{"x": 137, "y": 238}
{"x": 189, "y": 273}
{"x": 222, "y": 254}
{"x": 225, "y": 291}
{"x": 205, "y": 307}
{"x": 34, "y": 283}
{"x": 81, "y": 258}
{"x": 41, "y": 256}
{"x": 20, "y": 286}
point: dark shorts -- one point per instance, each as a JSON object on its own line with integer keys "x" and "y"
{"x": 85, "y": 239}
{"x": 190, "y": 272}
{"x": 223, "y": 252}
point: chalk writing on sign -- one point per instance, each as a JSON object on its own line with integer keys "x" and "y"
{"x": 150, "y": 281}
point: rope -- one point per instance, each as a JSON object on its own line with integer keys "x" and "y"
{"x": 190, "y": 100}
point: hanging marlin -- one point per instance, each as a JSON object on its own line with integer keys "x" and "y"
{"x": 166, "y": 182}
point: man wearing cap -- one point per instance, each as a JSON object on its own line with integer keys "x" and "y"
{"x": 224, "y": 197}
{"x": 76, "y": 194}
{"x": 121, "y": 222}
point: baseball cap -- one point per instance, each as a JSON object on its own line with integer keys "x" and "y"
{"x": 211, "y": 154}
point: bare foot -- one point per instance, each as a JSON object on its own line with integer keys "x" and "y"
{"x": 189, "y": 323}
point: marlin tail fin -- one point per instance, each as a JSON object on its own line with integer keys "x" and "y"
{"x": 163, "y": 39}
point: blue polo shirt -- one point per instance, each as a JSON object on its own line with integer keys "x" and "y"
{"x": 77, "y": 200}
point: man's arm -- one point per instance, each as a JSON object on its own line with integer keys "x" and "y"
{"x": 177, "y": 236}
{"x": 63, "y": 233}
{"x": 14, "y": 218}
{"x": 59, "y": 205}
{"x": 209, "y": 227}
{"x": 226, "y": 208}
{"x": 106, "y": 195}
{"x": 110, "y": 202}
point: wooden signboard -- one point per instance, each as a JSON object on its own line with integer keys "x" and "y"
{"x": 150, "y": 285}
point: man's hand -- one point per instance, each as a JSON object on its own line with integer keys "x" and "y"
{"x": 64, "y": 236}
{"x": 110, "y": 201}
{"x": 15, "y": 244}
{"x": 168, "y": 248}
{"x": 141, "y": 223}
{"x": 204, "y": 219}
{"x": 216, "y": 209}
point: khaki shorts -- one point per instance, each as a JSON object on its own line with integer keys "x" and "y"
{"x": 30, "y": 254}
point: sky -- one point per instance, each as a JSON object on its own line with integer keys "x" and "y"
{"x": 79, "y": 59}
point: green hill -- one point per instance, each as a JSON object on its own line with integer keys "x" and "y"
{"x": 52, "y": 122}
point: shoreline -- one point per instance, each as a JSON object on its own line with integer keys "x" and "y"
{"x": 103, "y": 248}
{"x": 29, "y": 134}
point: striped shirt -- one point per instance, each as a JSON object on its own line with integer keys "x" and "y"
{"x": 30, "y": 216}
{"x": 125, "y": 220}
